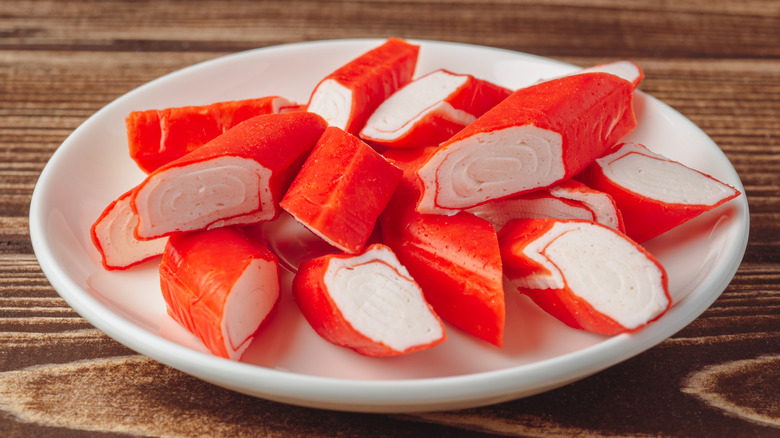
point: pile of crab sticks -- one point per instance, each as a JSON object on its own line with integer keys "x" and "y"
{"x": 430, "y": 191}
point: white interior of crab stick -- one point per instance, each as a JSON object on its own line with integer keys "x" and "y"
{"x": 501, "y": 211}
{"x": 601, "y": 205}
{"x": 378, "y": 297}
{"x": 624, "y": 69}
{"x": 333, "y": 102}
{"x": 658, "y": 178}
{"x": 252, "y": 298}
{"x": 194, "y": 196}
{"x": 491, "y": 165}
{"x": 407, "y": 106}
{"x": 117, "y": 241}
{"x": 605, "y": 269}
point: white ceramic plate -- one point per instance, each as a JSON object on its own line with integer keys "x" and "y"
{"x": 288, "y": 362}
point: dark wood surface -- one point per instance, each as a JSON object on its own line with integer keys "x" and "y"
{"x": 715, "y": 61}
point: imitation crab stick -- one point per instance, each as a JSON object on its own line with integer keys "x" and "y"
{"x": 157, "y": 137}
{"x": 569, "y": 199}
{"x": 348, "y": 96}
{"x": 431, "y": 109}
{"x": 627, "y": 70}
{"x": 654, "y": 193}
{"x": 587, "y": 275}
{"x": 237, "y": 178}
{"x": 220, "y": 285}
{"x": 112, "y": 235}
{"x": 367, "y": 302}
{"x": 536, "y": 137}
{"x": 341, "y": 190}
{"x": 455, "y": 259}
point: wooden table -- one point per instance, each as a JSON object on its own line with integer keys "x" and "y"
{"x": 715, "y": 61}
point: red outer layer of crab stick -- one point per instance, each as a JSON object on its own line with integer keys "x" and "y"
{"x": 569, "y": 199}
{"x": 348, "y": 96}
{"x": 157, "y": 137}
{"x": 341, "y": 190}
{"x": 220, "y": 285}
{"x": 237, "y": 178}
{"x": 112, "y": 235}
{"x": 430, "y": 109}
{"x": 367, "y": 302}
{"x": 455, "y": 259}
{"x": 587, "y": 275}
{"x": 538, "y": 136}
{"x": 654, "y": 193}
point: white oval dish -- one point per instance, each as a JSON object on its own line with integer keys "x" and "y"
{"x": 288, "y": 362}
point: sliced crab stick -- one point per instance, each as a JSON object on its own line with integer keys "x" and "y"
{"x": 112, "y": 235}
{"x": 220, "y": 285}
{"x": 587, "y": 275}
{"x": 455, "y": 259}
{"x": 237, "y": 178}
{"x": 367, "y": 302}
{"x": 348, "y": 96}
{"x": 341, "y": 190}
{"x": 157, "y": 137}
{"x": 538, "y": 136}
{"x": 569, "y": 199}
{"x": 429, "y": 110}
{"x": 654, "y": 193}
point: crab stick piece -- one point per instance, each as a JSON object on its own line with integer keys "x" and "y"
{"x": 429, "y": 110}
{"x": 654, "y": 193}
{"x": 220, "y": 285}
{"x": 348, "y": 96}
{"x": 157, "y": 137}
{"x": 587, "y": 275}
{"x": 367, "y": 302}
{"x": 569, "y": 199}
{"x": 237, "y": 178}
{"x": 112, "y": 235}
{"x": 536, "y": 137}
{"x": 341, "y": 190}
{"x": 455, "y": 259}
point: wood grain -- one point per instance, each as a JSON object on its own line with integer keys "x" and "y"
{"x": 717, "y": 62}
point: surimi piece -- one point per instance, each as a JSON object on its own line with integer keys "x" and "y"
{"x": 536, "y": 137}
{"x": 654, "y": 193}
{"x": 348, "y": 96}
{"x": 455, "y": 259}
{"x": 112, "y": 234}
{"x": 587, "y": 275}
{"x": 220, "y": 285}
{"x": 341, "y": 190}
{"x": 568, "y": 199}
{"x": 430, "y": 109}
{"x": 237, "y": 178}
{"x": 367, "y": 302}
{"x": 157, "y": 137}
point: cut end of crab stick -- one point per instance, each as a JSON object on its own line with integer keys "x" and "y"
{"x": 112, "y": 234}
{"x": 589, "y": 276}
{"x": 367, "y": 302}
{"x": 627, "y": 70}
{"x": 654, "y": 193}
{"x": 237, "y": 178}
{"x": 220, "y": 285}
{"x": 157, "y": 137}
{"x": 538, "y": 204}
{"x": 455, "y": 259}
{"x": 348, "y": 96}
{"x": 536, "y": 137}
{"x": 341, "y": 190}
{"x": 431, "y": 109}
